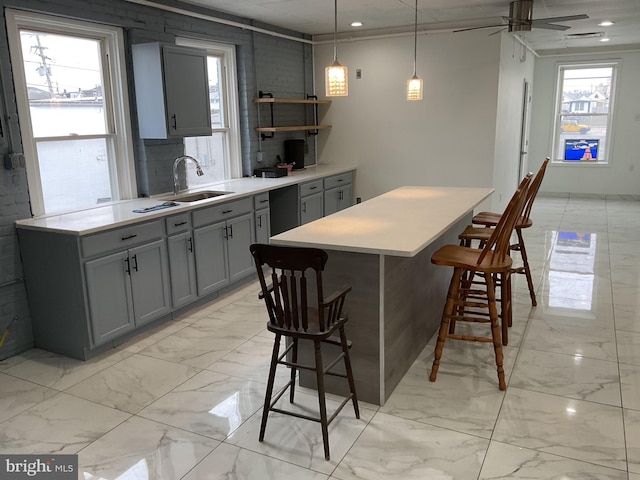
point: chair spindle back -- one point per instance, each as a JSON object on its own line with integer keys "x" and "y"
{"x": 500, "y": 239}
{"x": 296, "y": 285}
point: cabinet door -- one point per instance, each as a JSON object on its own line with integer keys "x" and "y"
{"x": 182, "y": 269}
{"x": 187, "y": 91}
{"x": 149, "y": 281}
{"x": 110, "y": 300}
{"x": 311, "y": 208}
{"x": 336, "y": 199}
{"x": 240, "y": 234}
{"x": 211, "y": 258}
{"x": 263, "y": 228}
{"x": 345, "y": 199}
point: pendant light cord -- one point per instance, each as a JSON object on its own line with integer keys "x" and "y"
{"x": 415, "y": 39}
{"x": 335, "y": 30}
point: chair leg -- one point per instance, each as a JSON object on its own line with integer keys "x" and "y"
{"x": 321, "y": 398}
{"x": 495, "y": 331}
{"x": 505, "y": 305}
{"x": 294, "y": 360}
{"x": 270, "y": 382}
{"x": 347, "y": 366}
{"x": 449, "y": 308}
{"x": 527, "y": 270}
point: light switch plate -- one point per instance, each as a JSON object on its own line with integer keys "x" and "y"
{"x": 14, "y": 161}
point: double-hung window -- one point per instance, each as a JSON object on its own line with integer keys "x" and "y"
{"x": 584, "y": 108}
{"x": 72, "y": 101}
{"x": 219, "y": 154}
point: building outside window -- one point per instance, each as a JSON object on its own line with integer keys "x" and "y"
{"x": 74, "y": 116}
{"x": 585, "y": 99}
{"x": 219, "y": 154}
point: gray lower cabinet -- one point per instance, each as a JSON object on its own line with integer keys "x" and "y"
{"x": 262, "y": 217}
{"x": 182, "y": 269}
{"x": 311, "y": 201}
{"x": 222, "y": 247}
{"x": 211, "y": 258}
{"x": 338, "y": 193}
{"x": 127, "y": 289}
{"x": 263, "y": 231}
{"x": 336, "y": 199}
{"x": 311, "y": 208}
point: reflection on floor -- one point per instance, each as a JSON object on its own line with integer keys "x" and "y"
{"x": 185, "y": 400}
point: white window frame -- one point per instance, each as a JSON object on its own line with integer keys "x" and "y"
{"x": 229, "y": 96}
{"x": 115, "y": 96}
{"x": 604, "y": 154}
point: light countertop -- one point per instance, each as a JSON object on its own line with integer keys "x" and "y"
{"x": 121, "y": 213}
{"x": 400, "y": 223}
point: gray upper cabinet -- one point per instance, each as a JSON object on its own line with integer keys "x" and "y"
{"x": 172, "y": 91}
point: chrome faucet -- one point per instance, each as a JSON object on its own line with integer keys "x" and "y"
{"x": 176, "y": 162}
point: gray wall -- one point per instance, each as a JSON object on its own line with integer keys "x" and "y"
{"x": 277, "y": 65}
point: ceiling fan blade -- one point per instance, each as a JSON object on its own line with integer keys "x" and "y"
{"x": 550, "y": 26}
{"x": 567, "y": 18}
{"x": 477, "y": 28}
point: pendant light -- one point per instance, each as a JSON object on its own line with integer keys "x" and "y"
{"x": 336, "y": 77}
{"x": 414, "y": 84}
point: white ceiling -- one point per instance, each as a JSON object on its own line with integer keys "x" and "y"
{"x": 316, "y": 17}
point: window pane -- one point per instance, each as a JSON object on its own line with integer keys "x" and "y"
{"x": 64, "y": 84}
{"x": 211, "y": 152}
{"x": 584, "y": 112}
{"x": 214, "y": 67}
{"x": 74, "y": 174}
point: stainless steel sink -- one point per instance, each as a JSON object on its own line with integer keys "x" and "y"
{"x": 196, "y": 196}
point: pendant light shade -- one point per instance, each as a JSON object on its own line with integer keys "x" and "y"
{"x": 414, "y": 84}
{"x": 414, "y": 88}
{"x": 336, "y": 76}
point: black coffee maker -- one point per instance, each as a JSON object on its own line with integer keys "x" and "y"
{"x": 294, "y": 153}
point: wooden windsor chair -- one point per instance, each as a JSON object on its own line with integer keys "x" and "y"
{"x": 299, "y": 311}
{"x": 490, "y": 219}
{"x": 467, "y": 303}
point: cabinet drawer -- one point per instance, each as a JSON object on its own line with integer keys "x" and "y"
{"x": 222, "y": 211}
{"x": 121, "y": 238}
{"x": 261, "y": 201}
{"x": 178, "y": 223}
{"x": 310, "y": 188}
{"x": 338, "y": 180}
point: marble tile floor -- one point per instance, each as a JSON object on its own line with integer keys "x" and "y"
{"x": 184, "y": 401}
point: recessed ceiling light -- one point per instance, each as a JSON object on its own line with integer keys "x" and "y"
{"x": 605, "y": 39}
{"x": 606, "y": 23}
{"x": 356, "y": 24}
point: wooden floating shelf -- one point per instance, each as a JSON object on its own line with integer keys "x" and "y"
{"x": 297, "y": 128}
{"x": 291, "y": 100}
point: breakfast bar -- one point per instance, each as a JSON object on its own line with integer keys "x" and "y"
{"x": 382, "y": 249}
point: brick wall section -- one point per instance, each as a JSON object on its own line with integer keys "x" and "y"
{"x": 264, "y": 62}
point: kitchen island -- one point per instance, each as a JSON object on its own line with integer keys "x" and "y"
{"x": 382, "y": 248}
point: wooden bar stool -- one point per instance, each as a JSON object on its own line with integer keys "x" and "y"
{"x": 465, "y": 302}
{"x": 490, "y": 219}
{"x": 298, "y": 311}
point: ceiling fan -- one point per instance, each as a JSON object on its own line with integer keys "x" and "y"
{"x": 521, "y": 19}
